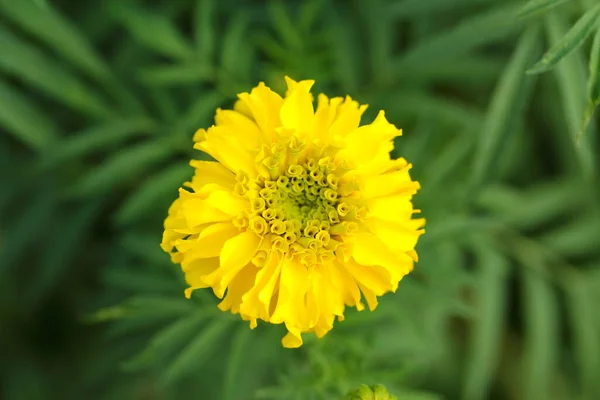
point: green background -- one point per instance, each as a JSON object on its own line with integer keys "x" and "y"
{"x": 98, "y": 104}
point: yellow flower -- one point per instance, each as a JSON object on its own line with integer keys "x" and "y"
{"x": 301, "y": 212}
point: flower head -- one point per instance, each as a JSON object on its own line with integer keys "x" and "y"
{"x": 301, "y": 213}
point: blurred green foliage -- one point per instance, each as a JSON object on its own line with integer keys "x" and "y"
{"x": 98, "y": 103}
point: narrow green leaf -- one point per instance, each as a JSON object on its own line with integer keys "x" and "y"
{"x": 380, "y": 34}
{"x": 541, "y": 330}
{"x": 23, "y": 120}
{"x": 177, "y": 75}
{"x": 21, "y": 59}
{"x": 584, "y": 327}
{"x": 166, "y": 341}
{"x": 464, "y": 37}
{"x": 204, "y": 29}
{"x": 537, "y": 205}
{"x": 198, "y": 114}
{"x": 570, "y": 42}
{"x": 593, "y": 85}
{"x": 577, "y": 238}
{"x": 488, "y": 327}
{"x": 506, "y": 105}
{"x": 236, "y": 49}
{"x": 420, "y": 8}
{"x": 284, "y": 26}
{"x": 96, "y": 139}
{"x": 571, "y": 83}
{"x": 124, "y": 165}
{"x": 47, "y": 25}
{"x": 156, "y": 188}
{"x": 197, "y": 352}
{"x": 538, "y": 6}
{"x": 152, "y": 30}
{"x": 25, "y": 230}
{"x": 238, "y": 353}
{"x": 61, "y": 251}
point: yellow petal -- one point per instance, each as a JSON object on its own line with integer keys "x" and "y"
{"x": 297, "y": 112}
{"x": 210, "y": 243}
{"x": 395, "y": 182}
{"x": 264, "y": 104}
{"x": 235, "y": 255}
{"x": 292, "y": 339}
{"x": 293, "y": 285}
{"x": 240, "y": 126}
{"x": 373, "y": 277}
{"x": 198, "y": 212}
{"x": 239, "y": 285}
{"x": 211, "y": 172}
{"x": 368, "y": 249}
{"x": 195, "y": 272}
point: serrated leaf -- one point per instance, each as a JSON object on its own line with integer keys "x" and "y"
{"x": 505, "y": 107}
{"x": 22, "y": 59}
{"x": 488, "y": 327}
{"x": 541, "y": 329}
{"x": 196, "y": 352}
{"x": 177, "y": 74}
{"x": 571, "y": 83}
{"x": 47, "y": 25}
{"x": 152, "y": 30}
{"x": 127, "y": 164}
{"x": 96, "y": 139}
{"x": 538, "y": 6}
{"x": 161, "y": 185}
{"x": 465, "y": 36}
{"x": 204, "y": 29}
{"x": 23, "y": 120}
{"x": 570, "y": 42}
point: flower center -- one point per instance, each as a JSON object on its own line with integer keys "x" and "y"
{"x": 300, "y": 208}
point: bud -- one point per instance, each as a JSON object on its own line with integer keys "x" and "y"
{"x": 375, "y": 392}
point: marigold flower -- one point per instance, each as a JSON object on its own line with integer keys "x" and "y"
{"x": 301, "y": 212}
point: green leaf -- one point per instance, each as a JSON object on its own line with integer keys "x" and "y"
{"x": 21, "y": 59}
{"x": 23, "y": 120}
{"x": 204, "y": 29}
{"x": 284, "y": 26}
{"x": 25, "y": 230}
{"x": 460, "y": 40}
{"x": 541, "y": 329}
{"x": 505, "y": 107}
{"x": 236, "y": 362}
{"x": 538, "y": 6}
{"x": 96, "y": 139}
{"x": 535, "y": 206}
{"x": 167, "y": 341}
{"x": 159, "y": 186}
{"x": 584, "y": 327}
{"x": 124, "y": 165}
{"x": 197, "y": 352}
{"x": 420, "y": 8}
{"x": 593, "y": 85}
{"x": 380, "y": 34}
{"x": 577, "y": 238}
{"x": 152, "y": 30}
{"x": 61, "y": 252}
{"x": 198, "y": 114}
{"x": 488, "y": 328}
{"x": 570, "y": 42}
{"x": 571, "y": 83}
{"x": 236, "y": 50}
{"x": 50, "y": 27}
{"x": 176, "y": 75}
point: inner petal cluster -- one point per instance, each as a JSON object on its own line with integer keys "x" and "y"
{"x": 301, "y": 204}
